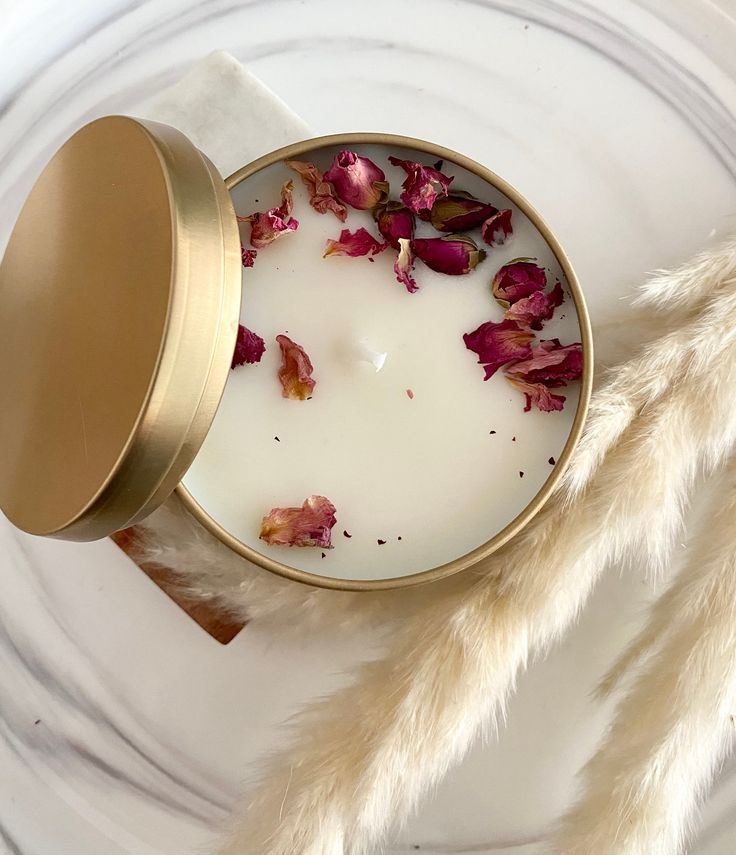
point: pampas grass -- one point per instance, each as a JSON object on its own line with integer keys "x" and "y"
{"x": 674, "y": 727}
{"x": 361, "y": 759}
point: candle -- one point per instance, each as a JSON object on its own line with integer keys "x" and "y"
{"x": 423, "y": 460}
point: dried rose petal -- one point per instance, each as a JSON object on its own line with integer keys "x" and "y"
{"x": 404, "y": 265}
{"x": 357, "y": 180}
{"x": 459, "y": 212}
{"x": 296, "y": 369}
{"x": 394, "y": 221}
{"x": 516, "y": 280}
{"x": 249, "y": 347}
{"x": 248, "y": 256}
{"x": 266, "y": 227}
{"x": 537, "y": 395}
{"x": 499, "y": 344}
{"x": 453, "y": 254}
{"x": 550, "y": 363}
{"x": 422, "y": 185}
{"x": 497, "y": 229}
{"x": 538, "y": 307}
{"x": 310, "y": 525}
{"x": 321, "y": 195}
{"x": 354, "y": 244}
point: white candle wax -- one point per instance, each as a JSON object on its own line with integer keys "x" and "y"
{"x": 435, "y": 475}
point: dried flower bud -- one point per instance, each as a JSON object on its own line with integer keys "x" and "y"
{"x": 357, "y": 180}
{"x": 453, "y": 254}
{"x": 516, "y": 280}
{"x": 459, "y": 212}
{"x": 394, "y": 221}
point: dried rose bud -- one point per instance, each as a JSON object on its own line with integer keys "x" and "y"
{"x": 266, "y": 227}
{"x": 354, "y": 244}
{"x": 453, "y": 254}
{"x": 538, "y": 307}
{"x": 550, "y": 363}
{"x": 248, "y": 256}
{"x": 516, "y": 280}
{"x": 497, "y": 229}
{"x": 537, "y": 395}
{"x": 459, "y": 212}
{"x": 249, "y": 347}
{"x": 498, "y": 344}
{"x": 310, "y": 525}
{"x": 321, "y": 195}
{"x": 394, "y": 221}
{"x": 357, "y": 180}
{"x": 404, "y": 265}
{"x": 422, "y": 185}
{"x": 296, "y": 369}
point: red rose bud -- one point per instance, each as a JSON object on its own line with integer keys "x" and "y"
{"x": 357, "y": 180}
{"x": 459, "y": 212}
{"x": 394, "y": 221}
{"x": 249, "y": 347}
{"x": 266, "y": 227}
{"x": 497, "y": 229}
{"x": 296, "y": 369}
{"x": 248, "y": 256}
{"x": 538, "y": 307}
{"x": 321, "y": 195}
{"x": 422, "y": 185}
{"x": 354, "y": 244}
{"x": 310, "y": 525}
{"x": 550, "y": 363}
{"x": 498, "y": 344}
{"x": 516, "y": 280}
{"x": 404, "y": 265}
{"x": 455, "y": 255}
{"x": 537, "y": 395}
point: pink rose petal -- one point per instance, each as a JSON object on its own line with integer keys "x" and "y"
{"x": 296, "y": 369}
{"x": 394, "y": 221}
{"x": 422, "y": 185}
{"x": 497, "y": 229}
{"x": 498, "y": 344}
{"x": 538, "y": 307}
{"x": 354, "y": 244}
{"x": 453, "y": 254}
{"x": 321, "y": 195}
{"x": 249, "y": 347}
{"x": 248, "y": 256}
{"x": 538, "y": 395}
{"x": 404, "y": 265}
{"x": 357, "y": 180}
{"x": 516, "y": 280}
{"x": 310, "y": 525}
{"x": 551, "y": 363}
{"x": 266, "y": 227}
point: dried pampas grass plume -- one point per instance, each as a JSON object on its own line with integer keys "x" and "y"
{"x": 362, "y": 758}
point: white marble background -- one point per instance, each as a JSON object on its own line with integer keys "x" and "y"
{"x": 124, "y": 730}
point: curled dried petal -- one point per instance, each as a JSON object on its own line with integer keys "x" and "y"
{"x": 497, "y": 229}
{"x": 296, "y": 369}
{"x": 404, "y": 265}
{"x": 516, "y": 280}
{"x": 249, "y": 347}
{"x": 248, "y": 256}
{"x": 266, "y": 227}
{"x": 453, "y": 254}
{"x": 354, "y": 244}
{"x": 310, "y": 525}
{"x": 394, "y": 221}
{"x": 550, "y": 363}
{"x": 357, "y": 180}
{"x": 538, "y": 307}
{"x": 537, "y": 395}
{"x": 321, "y": 194}
{"x": 498, "y": 344}
{"x": 459, "y": 212}
{"x": 422, "y": 185}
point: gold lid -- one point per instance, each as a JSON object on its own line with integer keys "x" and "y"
{"x": 119, "y": 305}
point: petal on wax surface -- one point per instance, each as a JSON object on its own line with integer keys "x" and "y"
{"x": 422, "y": 185}
{"x": 355, "y": 244}
{"x": 357, "y": 181}
{"x": 551, "y": 363}
{"x": 296, "y": 370}
{"x": 459, "y": 212}
{"x": 394, "y": 221}
{"x": 404, "y": 265}
{"x": 497, "y": 344}
{"x": 497, "y": 229}
{"x": 516, "y": 280}
{"x": 266, "y": 227}
{"x": 534, "y": 310}
{"x": 249, "y": 347}
{"x": 321, "y": 193}
{"x": 452, "y": 254}
{"x": 309, "y": 525}
{"x": 537, "y": 395}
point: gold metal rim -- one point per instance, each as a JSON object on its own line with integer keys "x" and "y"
{"x": 297, "y": 150}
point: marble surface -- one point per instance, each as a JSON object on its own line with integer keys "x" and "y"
{"x": 124, "y": 729}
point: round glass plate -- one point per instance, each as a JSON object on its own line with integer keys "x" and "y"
{"x": 617, "y": 120}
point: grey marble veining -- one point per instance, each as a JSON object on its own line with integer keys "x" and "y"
{"x": 123, "y": 728}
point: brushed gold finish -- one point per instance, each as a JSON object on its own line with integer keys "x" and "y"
{"x": 305, "y": 148}
{"x": 119, "y": 304}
